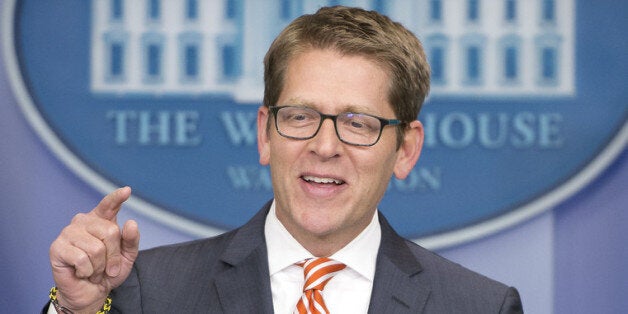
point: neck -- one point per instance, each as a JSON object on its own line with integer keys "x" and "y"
{"x": 327, "y": 244}
{"x": 323, "y": 246}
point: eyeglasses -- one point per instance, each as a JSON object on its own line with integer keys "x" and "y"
{"x": 302, "y": 123}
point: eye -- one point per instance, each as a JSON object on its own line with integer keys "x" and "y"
{"x": 298, "y": 117}
{"x": 356, "y": 124}
{"x": 361, "y": 122}
{"x": 301, "y": 116}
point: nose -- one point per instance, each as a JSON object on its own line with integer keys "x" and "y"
{"x": 326, "y": 142}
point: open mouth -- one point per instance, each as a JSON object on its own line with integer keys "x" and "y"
{"x": 319, "y": 180}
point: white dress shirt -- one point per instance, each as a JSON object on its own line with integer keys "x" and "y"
{"x": 349, "y": 291}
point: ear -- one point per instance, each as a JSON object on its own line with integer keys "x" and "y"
{"x": 410, "y": 150}
{"x": 263, "y": 140}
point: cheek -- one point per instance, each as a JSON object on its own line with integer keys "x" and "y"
{"x": 273, "y": 149}
{"x": 380, "y": 173}
{"x": 376, "y": 161}
{"x": 281, "y": 160}
{"x": 377, "y": 171}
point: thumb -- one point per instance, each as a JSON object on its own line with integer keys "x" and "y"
{"x": 130, "y": 240}
{"x": 118, "y": 262}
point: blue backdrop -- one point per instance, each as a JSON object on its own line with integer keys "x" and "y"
{"x": 568, "y": 259}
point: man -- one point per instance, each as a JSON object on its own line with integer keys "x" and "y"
{"x": 343, "y": 89}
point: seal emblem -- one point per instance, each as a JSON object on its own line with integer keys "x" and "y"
{"x": 162, "y": 96}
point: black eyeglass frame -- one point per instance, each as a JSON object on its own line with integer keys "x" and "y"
{"x": 383, "y": 122}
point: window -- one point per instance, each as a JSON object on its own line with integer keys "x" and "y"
{"x": 230, "y": 62}
{"x": 190, "y": 57}
{"x": 380, "y": 6}
{"x": 191, "y": 10}
{"x": 511, "y": 63}
{"x": 548, "y": 11}
{"x": 548, "y": 63}
{"x": 286, "y": 9}
{"x": 510, "y": 58}
{"x": 117, "y": 10}
{"x": 548, "y": 59}
{"x": 153, "y": 10}
{"x": 436, "y": 48}
{"x": 115, "y": 52}
{"x": 289, "y": 9}
{"x": 191, "y": 61}
{"x": 436, "y": 10}
{"x": 153, "y": 57}
{"x": 510, "y": 10}
{"x": 473, "y": 59}
{"x": 116, "y": 64}
{"x": 154, "y": 60}
{"x": 473, "y": 63}
{"x": 232, "y": 9}
{"x": 438, "y": 64}
{"x": 473, "y": 10}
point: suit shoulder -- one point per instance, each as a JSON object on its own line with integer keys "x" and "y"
{"x": 196, "y": 251}
{"x": 453, "y": 279}
{"x": 432, "y": 261}
{"x": 446, "y": 269}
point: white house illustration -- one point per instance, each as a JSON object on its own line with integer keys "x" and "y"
{"x": 484, "y": 48}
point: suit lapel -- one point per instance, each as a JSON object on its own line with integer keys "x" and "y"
{"x": 243, "y": 284}
{"x": 396, "y": 286}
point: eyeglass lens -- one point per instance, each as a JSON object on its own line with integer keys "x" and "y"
{"x": 304, "y": 123}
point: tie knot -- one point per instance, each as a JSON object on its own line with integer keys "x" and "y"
{"x": 318, "y": 271}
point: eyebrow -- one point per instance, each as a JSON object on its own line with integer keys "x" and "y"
{"x": 345, "y": 108}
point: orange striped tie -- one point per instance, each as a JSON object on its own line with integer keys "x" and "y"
{"x": 317, "y": 272}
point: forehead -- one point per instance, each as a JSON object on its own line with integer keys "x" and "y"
{"x": 331, "y": 81}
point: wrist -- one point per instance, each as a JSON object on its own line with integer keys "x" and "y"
{"x": 98, "y": 309}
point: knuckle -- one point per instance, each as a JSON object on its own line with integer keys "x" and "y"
{"x": 95, "y": 249}
{"x": 79, "y": 218}
{"x": 112, "y": 231}
{"x": 55, "y": 247}
{"x": 83, "y": 263}
{"x": 67, "y": 234}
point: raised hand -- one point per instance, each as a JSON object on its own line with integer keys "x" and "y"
{"x": 92, "y": 255}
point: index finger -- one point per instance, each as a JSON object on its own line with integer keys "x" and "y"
{"x": 110, "y": 205}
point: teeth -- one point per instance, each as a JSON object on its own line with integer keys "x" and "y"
{"x": 321, "y": 180}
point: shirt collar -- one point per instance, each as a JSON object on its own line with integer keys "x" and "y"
{"x": 284, "y": 250}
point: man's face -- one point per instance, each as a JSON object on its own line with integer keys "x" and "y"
{"x": 326, "y": 189}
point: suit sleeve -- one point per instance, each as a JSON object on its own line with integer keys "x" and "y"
{"x": 127, "y": 297}
{"x": 512, "y": 302}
